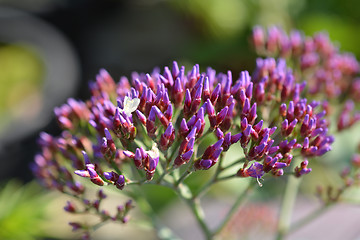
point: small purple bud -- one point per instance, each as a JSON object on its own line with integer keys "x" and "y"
{"x": 235, "y": 138}
{"x": 186, "y": 156}
{"x": 280, "y": 165}
{"x": 205, "y": 163}
{"x": 219, "y": 134}
{"x": 86, "y": 158}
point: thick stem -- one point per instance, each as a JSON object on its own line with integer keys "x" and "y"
{"x": 163, "y": 232}
{"x": 198, "y": 212}
{"x": 195, "y": 207}
{"x": 288, "y": 202}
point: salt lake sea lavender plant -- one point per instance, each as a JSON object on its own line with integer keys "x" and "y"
{"x": 331, "y": 76}
{"x": 160, "y": 127}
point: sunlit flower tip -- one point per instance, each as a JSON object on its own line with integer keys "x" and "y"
{"x": 249, "y": 91}
{"x": 259, "y": 149}
{"x": 282, "y": 110}
{"x": 215, "y": 94}
{"x": 221, "y": 115}
{"x": 187, "y": 101}
{"x": 175, "y": 69}
{"x": 128, "y": 154}
{"x": 242, "y": 97}
{"x": 284, "y": 126}
{"x": 184, "y": 130}
{"x": 141, "y": 117}
{"x": 206, "y": 89}
{"x": 227, "y": 139}
{"x": 65, "y": 122}
{"x": 138, "y": 158}
{"x": 247, "y": 131}
{"x": 192, "y": 133}
{"x": 86, "y": 158}
{"x": 169, "y": 131}
{"x": 178, "y": 92}
{"x": 246, "y": 107}
{"x": 210, "y": 108}
{"x": 169, "y": 112}
{"x": 257, "y": 127}
{"x": 218, "y": 133}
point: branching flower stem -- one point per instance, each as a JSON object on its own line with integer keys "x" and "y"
{"x": 287, "y": 205}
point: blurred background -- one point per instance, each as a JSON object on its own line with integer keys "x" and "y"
{"x": 50, "y": 49}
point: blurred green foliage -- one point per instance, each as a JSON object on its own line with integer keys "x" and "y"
{"x": 22, "y": 211}
{"x": 21, "y": 76}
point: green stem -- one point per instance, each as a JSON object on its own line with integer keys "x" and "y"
{"x": 183, "y": 176}
{"x": 288, "y": 202}
{"x": 243, "y": 159}
{"x": 194, "y": 204}
{"x": 163, "y": 232}
{"x": 240, "y": 200}
{"x": 198, "y": 212}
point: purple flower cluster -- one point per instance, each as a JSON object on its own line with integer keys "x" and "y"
{"x": 327, "y": 71}
{"x": 164, "y": 125}
{"x": 107, "y": 135}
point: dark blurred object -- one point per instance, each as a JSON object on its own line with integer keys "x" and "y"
{"x": 34, "y": 110}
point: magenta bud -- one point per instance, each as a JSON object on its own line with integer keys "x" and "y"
{"x": 219, "y": 134}
{"x": 206, "y": 163}
{"x": 129, "y": 154}
{"x": 280, "y": 165}
{"x": 206, "y": 89}
{"x": 216, "y": 154}
{"x": 138, "y": 158}
{"x": 257, "y": 127}
{"x": 169, "y": 112}
{"x": 215, "y": 94}
{"x": 221, "y": 115}
{"x": 183, "y": 128}
{"x": 249, "y": 90}
{"x": 186, "y": 156}
{"x": 141, "y": 117}
{"x": 282, "y": 110}
{"x": 82, "y": 173}
{"x": 187, "y": 100}
{"x": 247, "y": 131}
{"x": 120, "y": 183}
{"x": 235, "y": 138}
{"x": 246, "y": 107}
